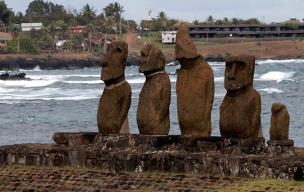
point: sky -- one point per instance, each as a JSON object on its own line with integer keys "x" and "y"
{"x": 190, "y": 10}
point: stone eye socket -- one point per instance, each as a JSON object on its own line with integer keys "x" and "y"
{"x": 142, "y": 54}
{"x": 228, "y": 66}
{"x": 241, "y": 66}
{"x": 117, "y": 49}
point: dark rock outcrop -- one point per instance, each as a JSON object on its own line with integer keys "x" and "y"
{"x": 20, "y": 76}
{"x": 47, "y": 64}
{"x": 212, "y": 58}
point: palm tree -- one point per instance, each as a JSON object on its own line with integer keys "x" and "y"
{"x": 210, "y": 19}
{"x": 64, "y": 30}
{"x": 88, "y": 12}
{"x": 163, "y": 17}
{"x": 77, "y": 40}
{"x": 53, "y": 33}
{"x": 195, "y": 22}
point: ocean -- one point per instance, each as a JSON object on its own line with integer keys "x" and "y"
{"x": 67, "y": 100}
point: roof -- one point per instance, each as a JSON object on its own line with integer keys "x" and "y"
{"x": 78, "y": 27}
{"x": 4, "y": 38}
{"x": 2, "y": 34}
{"x": 31, "y": 24}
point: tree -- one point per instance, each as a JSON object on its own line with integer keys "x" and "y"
{"x": 226, "y": 21}
{"x": 77, "y": 40}
{"x": 56, "y": 9}
{"x": 210, "y": 19}
{"x": 88, "y": 12}
{"x": 219, "y": 22}
{"x": 38, "y": 7}
{"x": 196, "y": 22}
{"x": 5, "y": 13}
{"x": 64, "y": 30}
{"x": 114, "y": 10}
{"x": 26, "y": 45}
{"x": 291, "y": 26}
{"x": 235, "y": 21}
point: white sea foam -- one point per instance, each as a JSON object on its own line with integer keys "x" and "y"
{"x": 25, "y": 83}
{"x": 269, "y": 61}
{"x": 84, "y": 82}
{"x": 219, "y": 79}
{"x": 276, "y": 76}
{"x": 8, "y": 99}
{"x": 137, "y": 80}
{"x": 271, "y": 90}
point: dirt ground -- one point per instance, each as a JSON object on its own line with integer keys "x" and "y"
{"x": 29, "y": 178}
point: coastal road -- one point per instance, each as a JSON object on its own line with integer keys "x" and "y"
{"x": 130, "y": 40}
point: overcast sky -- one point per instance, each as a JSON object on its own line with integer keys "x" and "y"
{"x": 189, "y": 10}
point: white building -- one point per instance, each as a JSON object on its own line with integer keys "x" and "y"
{"x": 29, "y": 26}
{"x": 169, "y": 36}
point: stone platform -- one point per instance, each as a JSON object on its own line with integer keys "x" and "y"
{"x": 141, "y": 153}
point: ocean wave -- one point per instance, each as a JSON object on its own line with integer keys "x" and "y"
{"x": 276, "y": 76}
{"x": 84, "y": 82}
{"x": 26, "y": 83}
{"x": 271, "y": 90}
{"x": 269, "y": 61}
{"x": 218, "y": 79}
{"x": 8, "y": 99}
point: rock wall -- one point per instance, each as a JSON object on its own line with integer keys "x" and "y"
{"x": 140, "y": 153}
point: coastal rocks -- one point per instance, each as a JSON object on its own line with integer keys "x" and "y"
{"x": 115, "y": 101}
{"x": 20, "y": 76}
{"x": 212, "y": 58}
{"x": 279, "y": 129}
{"x": 194, "y": 87}
{"x": 241, "y": 107}
{"x": 155, "y": 96}
{"x": 13, "y": 64}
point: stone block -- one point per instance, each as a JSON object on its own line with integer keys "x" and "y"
{"x": 242, "y": 146}
{"x": 74, "y": 139}
{"x": 280, "y": 148}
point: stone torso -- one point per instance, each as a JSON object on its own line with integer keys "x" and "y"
{"x": 113, "y": 108}
{"x": 195, "y": 94}
{"x": 153, "y": 105}
{"x": 240, "y": 116}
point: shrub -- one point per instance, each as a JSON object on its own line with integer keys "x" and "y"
{"x": 26, "y": 45}
{"x": 49, "y": 56}
{"x": 228, "y": 53}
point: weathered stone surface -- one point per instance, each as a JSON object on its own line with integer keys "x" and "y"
{"x": 157, "y": 158}
{"x": 241, "y": 107}
{"x": 74, "y": 139}
{"x": 154, "y": 98}
{"x": 279, "y": 129}
{"x": 280, "y": 148}
{"x": 115, "y": 101}
{"x": 238, "y": 147}
{"x": 194, "y": 87}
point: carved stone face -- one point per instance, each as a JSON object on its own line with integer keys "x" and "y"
{"x": 239, "y": 72}
{"x": 151, "y": 59}
{"x": 114, "y": 61}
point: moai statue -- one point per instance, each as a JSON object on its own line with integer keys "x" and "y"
{"x": 279, "y": 128}
{"x": 241, "y": 108}
{"x": 194, "y": 87}
{"x": 155, "y": 96}
{"x": 115, "y": 101}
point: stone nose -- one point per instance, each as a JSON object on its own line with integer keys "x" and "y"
{"x": 232, "y": 73}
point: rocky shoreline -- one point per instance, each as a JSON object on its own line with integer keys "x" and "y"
{"x": 20, "y": 76}
{"x": 15, "y": 64}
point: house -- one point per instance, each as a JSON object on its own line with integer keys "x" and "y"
{"x": 29, "y": 26}
{"x": 169, "y": 36}
{"x": 77, "y": 29}
{"x": 4, "y": 37}
{"x": 242, "y": 30}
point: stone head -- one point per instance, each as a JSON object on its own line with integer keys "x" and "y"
{"x": 277, "y": 107}
{"x": 184, "y": 47}
{"x": 114, "y": 61}
{"x": 151, "y": 59}
{"x": 239, "y": 72}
